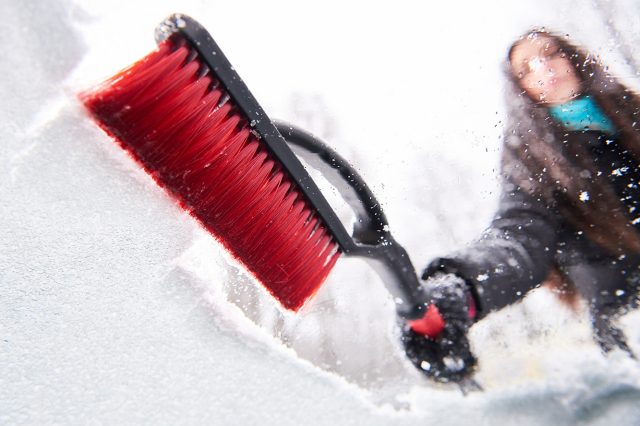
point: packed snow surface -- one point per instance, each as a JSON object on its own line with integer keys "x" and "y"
{"x": 117, "y": 308}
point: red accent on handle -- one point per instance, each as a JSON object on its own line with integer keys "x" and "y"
{"x": 430, "y": 325}
{"x": 473, "y": 311}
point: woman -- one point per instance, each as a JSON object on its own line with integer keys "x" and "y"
{"x": 569, "y": 212}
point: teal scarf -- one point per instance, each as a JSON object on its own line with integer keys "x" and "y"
{"x": 582, "y": 114}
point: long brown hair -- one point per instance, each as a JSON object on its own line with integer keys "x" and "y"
{"x": 540, "y": 159}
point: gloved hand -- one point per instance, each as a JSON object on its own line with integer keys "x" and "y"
{"x": 437, "y": 344}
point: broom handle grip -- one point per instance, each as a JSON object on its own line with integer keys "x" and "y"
{"x": 372, "y": 225}
{"x": 371, "y": 238}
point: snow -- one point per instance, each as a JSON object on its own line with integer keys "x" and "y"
{"x": 117, "y": 308}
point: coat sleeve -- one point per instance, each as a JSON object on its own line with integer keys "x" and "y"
{"x": 511, "y": 257}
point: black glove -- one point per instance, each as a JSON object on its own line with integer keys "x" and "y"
{"x": 447, "y": 356}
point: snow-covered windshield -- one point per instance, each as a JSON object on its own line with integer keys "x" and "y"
{"x": 117, "y": 307}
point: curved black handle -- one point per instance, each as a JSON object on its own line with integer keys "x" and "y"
{"x": 371, "y": 238}
{"x": 372, "y": 227}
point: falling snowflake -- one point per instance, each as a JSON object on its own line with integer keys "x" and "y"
{"x": 584, "y": 196}
{"x": 620, "y": 171}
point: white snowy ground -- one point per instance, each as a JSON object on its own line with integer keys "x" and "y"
{"x": 116, "y": 308}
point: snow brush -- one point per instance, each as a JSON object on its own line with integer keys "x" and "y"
{"x": 187, "y": 117}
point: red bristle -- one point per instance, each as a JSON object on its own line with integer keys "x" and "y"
{"x": 180, "y": 125}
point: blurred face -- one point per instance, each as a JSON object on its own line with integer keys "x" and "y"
{"x": 543, "y": 70}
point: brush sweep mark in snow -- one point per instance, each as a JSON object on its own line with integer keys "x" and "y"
{"x": 187, "y": 117}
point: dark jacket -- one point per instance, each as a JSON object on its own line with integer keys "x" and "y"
{"x": 527, "y": 238}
